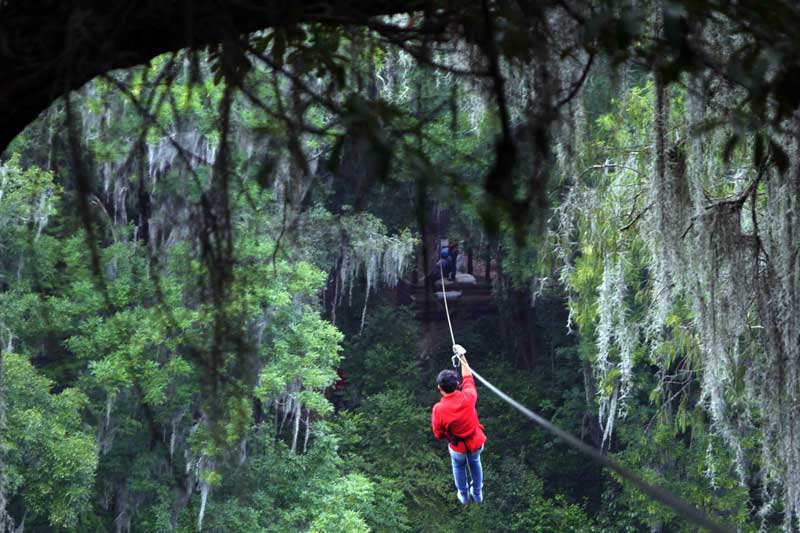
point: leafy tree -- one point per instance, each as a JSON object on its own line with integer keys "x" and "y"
{"x": 49, "y": 458}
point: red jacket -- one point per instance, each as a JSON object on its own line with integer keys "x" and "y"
{"x": 455, "y": 415}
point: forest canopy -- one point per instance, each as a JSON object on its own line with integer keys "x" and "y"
{"x": 217, "y": 225}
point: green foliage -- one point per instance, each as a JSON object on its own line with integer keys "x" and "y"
{"x": 384, "y": 353}
{"x": 692, "y": 465}
{"x": 140, "y": 422}
{"x": 305, "y": 357}
{"x": 49, "y": 457}
{"x": 270, "y": 495}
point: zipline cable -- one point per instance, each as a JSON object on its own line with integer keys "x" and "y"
{"x": 444, "y": 296}
{"x": 662, "y": 495}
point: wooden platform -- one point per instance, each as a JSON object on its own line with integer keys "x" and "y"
{"x": 476, "y": 300}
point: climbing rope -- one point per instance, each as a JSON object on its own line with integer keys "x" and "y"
{"x": 660, "y": 494}
{"x": 454, "y": 359}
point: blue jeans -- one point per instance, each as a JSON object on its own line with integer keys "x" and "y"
{"x": 462, "y": 462}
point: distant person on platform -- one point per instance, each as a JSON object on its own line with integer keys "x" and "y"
{"x": 443, "y": 265}
{"x": 454, "y": 418}
{"x": 452, "y": 249}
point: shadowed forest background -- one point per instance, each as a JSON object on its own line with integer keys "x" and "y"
{"x": 218, "y": 221}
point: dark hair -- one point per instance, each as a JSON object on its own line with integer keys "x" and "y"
{"x": 447, "y": 380}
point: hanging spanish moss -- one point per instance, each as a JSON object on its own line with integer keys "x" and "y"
{"x": 382, "y": 259}
{"x": 718, "y": 233}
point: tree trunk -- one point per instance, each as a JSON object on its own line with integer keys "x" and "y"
{"x": 297, "y": 414}
{"x": 530, "y": 323}
{"x": 505, "y": 304}
{"x": 488, "y": 273}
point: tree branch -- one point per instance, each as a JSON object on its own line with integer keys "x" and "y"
{"x": 50, "y": 48}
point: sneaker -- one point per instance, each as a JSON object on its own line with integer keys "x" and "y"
{"x": 462, "y": 498}
{"x": 476, "y": 499}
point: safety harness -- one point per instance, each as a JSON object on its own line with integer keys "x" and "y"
{"x": 455, "y": 440}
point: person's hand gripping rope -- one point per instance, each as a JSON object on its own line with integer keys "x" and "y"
{"x": 459, "y": 356}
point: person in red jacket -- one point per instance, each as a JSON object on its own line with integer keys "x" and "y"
{"x": 454, "y": 418}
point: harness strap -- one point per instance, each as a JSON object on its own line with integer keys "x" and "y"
{"x": 455, "y": 440}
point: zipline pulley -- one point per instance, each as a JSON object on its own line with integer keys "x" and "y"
{"x": 458, "y": 351}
